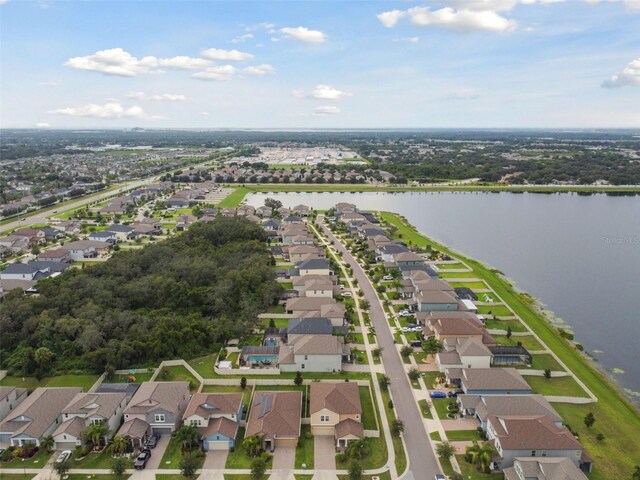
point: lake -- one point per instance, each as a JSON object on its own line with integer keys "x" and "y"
{"x": 579, "y": 255}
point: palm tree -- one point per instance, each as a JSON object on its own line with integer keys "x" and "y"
{"x": 189, "y": 436}
{"x": 358, "y": 449}
{"x": 95, "y": 432}
{"x": 481, "y": 456}
{"x": 48, "y": 443}
{"x": 252, "y": 445}
{"x": 119, "y": 445}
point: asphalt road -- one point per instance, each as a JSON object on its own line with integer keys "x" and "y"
{"x": 422, "y": 460}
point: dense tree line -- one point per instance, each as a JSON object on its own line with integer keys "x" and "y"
{"x": 179, "y": 298}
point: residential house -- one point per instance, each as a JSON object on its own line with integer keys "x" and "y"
{"x": 300, "y": 210}
{"x": 15, "y": 243}
{"x": 533, "y": 436}
{"x": 444, "y": 327}
{"x": 275, "y": 416}
{"x": 184, "y": 222}
{"x": 483, "y": 406}
{"x": 313, "y": 353}
{"x": 35, "y": 236}
{"x": 83, "y": 249}
{"x": 488, "y": 381}
{"x": 217, "y": 417}
{"x": 32, "y": 271}
{"x": 543, "y": 468}
{"x": 314, "y": 266}
{"x": 335, "y": 410}
{"x": 123, "y": 232}
{"x": 264, "y": 211}
{"x": 10, "y": 398}
{"x": 87, "y": 409}
{"x": 54, "y": 255}
{"x": 436, "y": 300}
{"x": 465, "y": 353}
{"x": 299, "y": 253}
{"x": 103, "y": 236}
{"x": 37, "y": 416}
{"x": 159, "y": 405}
{"x": 303, "y": 307}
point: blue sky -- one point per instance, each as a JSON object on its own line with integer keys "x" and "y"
{"x": 320, "y": 64}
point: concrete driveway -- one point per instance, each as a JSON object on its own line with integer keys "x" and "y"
{"x": 216, "y": 459}
{"x": 284, "y": 458}
{"x": 158, "y": 452}
{"x": 324, "y": 453}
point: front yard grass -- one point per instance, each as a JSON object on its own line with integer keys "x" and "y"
{"x": 238, "y": 458}
{"x": 95, "y": 461}
{"x": 435, "y": 436}
{"x": 424, "y": 408}
{"x": 441, "y": 404}
{"x": 462, "y": 435}
{"x": 528, "y": 341}
{"x": 30, "y": 383}
{"x": 173, "y": 454}
{"x": 37, "y": 461}
{"x": 368, "y": 412}
{"x": 304, "y": 450}
{"x": 557, "y": 386}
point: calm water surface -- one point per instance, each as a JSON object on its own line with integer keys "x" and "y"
{"x": 580, "y": 255}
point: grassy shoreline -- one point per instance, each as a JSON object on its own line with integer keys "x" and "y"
{"x": 618, "y": 420}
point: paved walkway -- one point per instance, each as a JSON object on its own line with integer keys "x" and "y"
{"x": 460, "y": 424}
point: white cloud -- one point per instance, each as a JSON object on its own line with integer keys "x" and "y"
{"x": 110, "y": 110}
{"x": 50, "y": 83}
{"x": 630, "y": 76}
{"x": 116, "y": 61}
{"x": 216, "y": 73}
{"x": 242, "y": 38}
{"x": 205, "y": 114}
{"x": 42, "y": 125}
{"x": 462, "y": 94}
{"x": 327, "y": 92}
{"x": 226, "y": 55}
{"x": 161, "y": 97}
{"x": 304, "y": 35}
{"x": 2, "y": 2}
{"x": 259, "y": 70}
{"x": 461, "y": 20}
{"x": 326, "y": 110}
{"x": 390, "y": 18}
{"x": 407, "y": 39}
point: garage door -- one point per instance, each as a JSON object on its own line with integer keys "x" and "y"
{"x": 322, "y": 430}
{"x": 218, "y": 445}
{"x": 65, "y": 446}
{"x": 286, "y": 442}
{"x": 161, "y": 431}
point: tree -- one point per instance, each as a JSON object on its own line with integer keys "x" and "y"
{"x": 273, "y": 203}
{"x": 258, "y": 468}
{"x": 48, "y": 443}
{"x": 390, "y": 404}
{"x": 509, "y": 332}
{"x": 61, "y": 468}
{"x": 481, "y": 456}
{"x": 95, "y": 432}
{"x": 189, "y": 464}
{"x": 358, "y": 449}
{"x": 431, "y": 346}
{"x": 298, "y": 380}
{"x": 589, "y": 419}
{"x": 384, "y": 381}
{"x": 406, "y": 351}
{"x": 243, "y": 383}
{"x": 414, "y": 374}
{"x": 189, "y": 436}
{"x": 252, "y": 445}
{"x": 118, "y": 445}
{"x": 364, "y": 304}
{"x": 547, "y": 373}
{"x": 119, "y": 465}
{"x": 355, "y": 470}
{"x": 445, "y": 450}
{"x": 636, "y": 473}
{"x": 377, "y": 352}
{"x": 397, "y": 427}
{"x": 43, "y": 357}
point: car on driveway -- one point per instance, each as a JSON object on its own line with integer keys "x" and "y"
{"x": 439, "y": 476}
{"x": 405, "y": 313}
{"x": 152, "y": 441}
{"x": 437, "y": 394}
{"x": 64, "y": 456}
{"x": 142, "y": 459}
{"x": 347, "y": 294}
{"x": 387, "y": 278}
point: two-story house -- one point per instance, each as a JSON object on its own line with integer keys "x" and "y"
{"x": 275, "y": 417}
{"x": 10, "y": 398}
{"x": 217, "y": 417}
{"x": 84, "y": 410}
{"x": 543, "y": 468}
{"x": 336, "y": 410}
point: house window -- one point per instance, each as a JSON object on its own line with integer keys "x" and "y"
{"x": 533, "y": 453}
{"x": 324, "y": 418}
{"x": 196, "y": 423}
{"x": 159, "y": 418}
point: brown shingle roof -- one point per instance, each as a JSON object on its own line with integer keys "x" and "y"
{"x": 222, "y": 425}
{"x": 532, "y": 433}
{"x": 275, "y": 414}
{"x": 152, "y": 395}
{"x": 341, "y": 398}
{"x": 95, "y": 404}
{"x": 208, "y": 404}
{"x": 493, "y": 379}
{"x": 349, "y": 427}
{"x": 135, "y": 428}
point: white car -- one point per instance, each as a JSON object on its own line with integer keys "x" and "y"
{"x": 387, "y": 277}
{"x": 64, "y": 456}
{"x": 347, "y": 294}
{"x": 406, "y": 313}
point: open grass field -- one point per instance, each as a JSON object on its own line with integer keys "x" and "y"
{"x": 234, "y": 198}
{"x": 30, "y": 383}
{"x": 558, "y": 386}
{"x": 617, "y": 454}
{"x": 204, "y": 365}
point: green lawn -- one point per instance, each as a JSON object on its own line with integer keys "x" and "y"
{"x": 304, "y": 450}
{"x": 238, "y": 458}
{"x": 516, "y": 325}
{"x": 543, "y": 361}
{"x": 173, "y": 454}
{"x": 37, "y": 461}
{"x": 440, "y": 404}
{"x": 398, "y": 447}
{"x": 450, "y": 266}
{"x": 30, "y": 383}
{"x": 435, "y": 436}
{"x": 204, "y": 365}
{"x": 471, "y": 285}
{"x": 565, "y": 386}
{"x": 612, "y": 408}
{"x": 170, "y": 476}
{"x": 528, "y": 341}
{"x": 448, "y": 275}
{"x": 287, "y": 285}
{"x": 497, "y": 310}
{"x": 178, "y": 374}
{"x": 18, "y": 476}
{"x": 234, "y": 198}
{"x": 358, "y": 338}
{"x": 140, "y": 377}
{"x": 110, "y": 476}
{"x": 276, "y": 309}
{"x": 469, "y": 472}
{"x": 368, "y": 411}
{"x": 462, "y": 435}
{"x": 426, "y": 412}
{"x": 95, "y": 461}
{"x": 278, "y": 322}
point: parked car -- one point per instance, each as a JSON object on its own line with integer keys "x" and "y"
{"x": 142, "y": 459}
{"x": 64, "y": 456}
{"x": 152, "y": 441}
{"x": 437, "y": 394}
{"x": 387, "y": 277}
{"x": 439, "y": 476}
{"x": 406, "y": 313}
{"x": 411, "y": 325}
{"x": 452, "y": 394}
{"x": 347, "y": 294}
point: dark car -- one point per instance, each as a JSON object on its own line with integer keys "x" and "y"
{"x": 142, "y": 459}
{"x": 152, "y": 441}
{"x": 437, "y": 394}
{"x": 452, "y": 394}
